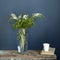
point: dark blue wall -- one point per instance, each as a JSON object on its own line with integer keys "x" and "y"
{"x": 43, "y": 31}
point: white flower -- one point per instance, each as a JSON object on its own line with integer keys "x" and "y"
{"x": 19, "y": 16}
{"x": 13, "y": 16}
{"x": 37, "y": 14}
{"x": 25, "y": 16}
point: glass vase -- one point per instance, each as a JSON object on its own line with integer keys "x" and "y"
{"x": 23, "y": 41}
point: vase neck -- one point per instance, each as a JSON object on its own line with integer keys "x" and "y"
{"x": 22, "y": 31}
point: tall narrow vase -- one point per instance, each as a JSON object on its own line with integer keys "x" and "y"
{"x": 23, "y": 41}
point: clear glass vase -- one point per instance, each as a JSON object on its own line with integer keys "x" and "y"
{"x": 23, "y": 41}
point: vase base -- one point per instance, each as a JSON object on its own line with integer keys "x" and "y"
{"x": 25, "y": 52}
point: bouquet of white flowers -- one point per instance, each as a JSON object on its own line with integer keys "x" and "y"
{"x": 24, "y": 21}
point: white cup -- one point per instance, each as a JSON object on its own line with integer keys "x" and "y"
{"x": 46, "y": 47}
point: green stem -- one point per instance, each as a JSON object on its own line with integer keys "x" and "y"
{"x": 22, "y": 35}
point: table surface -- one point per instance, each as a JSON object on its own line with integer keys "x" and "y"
{"x": 30, "y": 54}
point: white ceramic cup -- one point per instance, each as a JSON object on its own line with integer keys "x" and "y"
{"x": 46, "y": 46}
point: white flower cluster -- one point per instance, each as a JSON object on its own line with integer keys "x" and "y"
{"x": 36, "y": 14}
{"x": 25, "y": 16}
{"x": 15, "y": 17}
